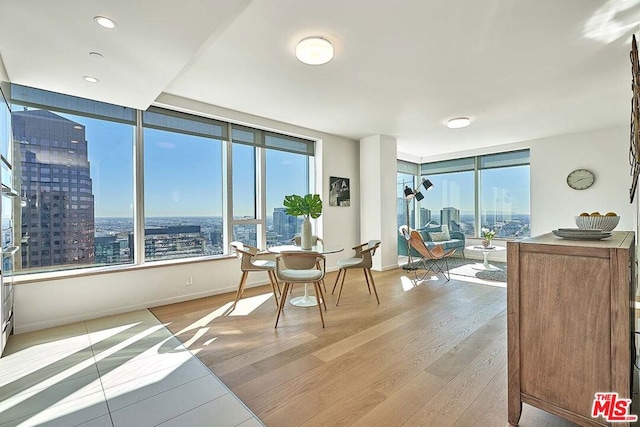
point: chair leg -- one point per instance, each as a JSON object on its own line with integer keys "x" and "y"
{"x": 240, "y": 290}
{"x": 274, "y": 286}
{"x": 447, "y": 274}
{"x": 324, "y": 300}
{"x": 282, "y": 301}
{"x": 337, "y": 278}
{"x": 344, "y": 274}
{"x": 367, "y": 279}
{"x": 318, "y": 293}
{"x": 373, "y": 283}
{"x": 275, "y": 281}
{"x": 319, "y": 267}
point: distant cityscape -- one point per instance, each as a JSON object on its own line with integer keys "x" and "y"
{"x": 505, "y": 224}
{"x": 179, "y": 237}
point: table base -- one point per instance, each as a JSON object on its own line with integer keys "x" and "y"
{"x": 485, "y": 267}
{"x": 304, "y": 301}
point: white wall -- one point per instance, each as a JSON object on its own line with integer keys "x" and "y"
{"x": 378, "y": 198}
{"x": 605, "y": 153}
{"x": 59, "y": 301}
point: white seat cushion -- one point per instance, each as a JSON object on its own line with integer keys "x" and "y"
{"x": 300, "y": 275}
{"x": 349, "y": 262}
{"x": 264, "y": 263}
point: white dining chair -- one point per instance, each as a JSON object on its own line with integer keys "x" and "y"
{"x": 300, "y": 267}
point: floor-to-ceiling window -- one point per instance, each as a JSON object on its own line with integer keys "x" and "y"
{"x": 468, "y": 194}
{"x": 74, "y": 174}
{"x": 266, "y": 167}
{"x": 182, "y": 186}
{"x": 451, "y": 201}
{"x": 199, "y": 183}
{"x": 505, "y": 193}
{"x": 280, "y": 166}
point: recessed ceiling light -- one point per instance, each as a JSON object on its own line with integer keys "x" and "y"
{"x": 90, "y": 79}
{"x": 96, "y": 55}
{"x": 314, "y": 51}
{"x": 459, "y": 122}
{"x": 105, "y": 22}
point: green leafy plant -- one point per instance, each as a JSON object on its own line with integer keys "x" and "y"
{"x": 308, "y": 206}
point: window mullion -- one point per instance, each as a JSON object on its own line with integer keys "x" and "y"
{"x": 227, "y": 185}
{"x": 476, "y": 197}
{"x": 138, "y": 183}
{"x": 261, "y": 207}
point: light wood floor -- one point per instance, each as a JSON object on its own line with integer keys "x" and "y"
{"x": 432, "y": 354}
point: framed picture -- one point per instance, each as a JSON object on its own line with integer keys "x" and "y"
{"x": 339, "y": 192}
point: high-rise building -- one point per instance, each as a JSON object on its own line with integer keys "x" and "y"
{"x": 447, "y": 215}
{"x": 107, "y": 250}
{"x": 57, "y": 218}
{"x": 425, "y": 216}
{"x": 285, "y": 226}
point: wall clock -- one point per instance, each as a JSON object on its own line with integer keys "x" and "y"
{"x": 580, "y": 179}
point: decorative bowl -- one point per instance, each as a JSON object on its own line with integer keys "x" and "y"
{"x": 604, "y": 223}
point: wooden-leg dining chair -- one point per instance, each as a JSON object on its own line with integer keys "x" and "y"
{"x": 362, "y": 259}
{"x": 315, "y": 240}
{"x": 300, "y": 267}
{"x": 251, "y": 259}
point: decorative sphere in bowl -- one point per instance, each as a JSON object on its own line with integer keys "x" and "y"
{"x": 600, "y": 222}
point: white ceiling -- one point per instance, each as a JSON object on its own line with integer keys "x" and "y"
{"x": 520, "y": 69}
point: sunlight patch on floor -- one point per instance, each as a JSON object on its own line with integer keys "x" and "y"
{"x": 409, "y": 281}
{"x": 129, "y": 342}
{"x": 191, "y": 341}
{"x": 47, "y": 383}
{"x": 246, "y": 305}
{"x": 477, "y": 281}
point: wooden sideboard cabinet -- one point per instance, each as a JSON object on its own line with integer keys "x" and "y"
{"x": 570, "y": 323}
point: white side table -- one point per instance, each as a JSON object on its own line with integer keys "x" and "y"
{"x": 485, "y": 266}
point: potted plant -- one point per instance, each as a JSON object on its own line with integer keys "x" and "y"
{"x": 308, "y": 206}
{"x": 487, "y": 236}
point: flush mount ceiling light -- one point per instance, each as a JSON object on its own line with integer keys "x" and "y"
{"x": 90, "y": 79}
{"x": 105, "y": 22}
{"x": 459, "y": 122}
{"x": 314, "y": 51}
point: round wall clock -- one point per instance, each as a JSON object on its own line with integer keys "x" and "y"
{"x": 580, "y": 179}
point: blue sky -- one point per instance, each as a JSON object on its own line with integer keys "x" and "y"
{"x": 183, "y": 176}
{"x": 511, "y": 185}
{"x": 183, "y": 173}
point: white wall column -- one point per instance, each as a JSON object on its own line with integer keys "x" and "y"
{"x": 378, "y": 214}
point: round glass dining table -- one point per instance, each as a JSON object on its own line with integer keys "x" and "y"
{"x": 306, "y": 300}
